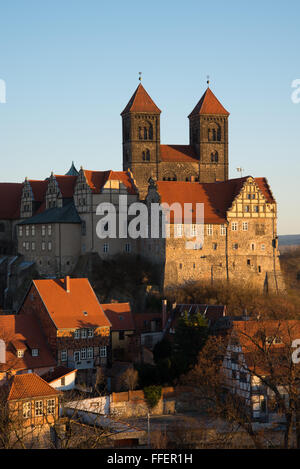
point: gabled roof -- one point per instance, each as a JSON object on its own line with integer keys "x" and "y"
{"x": 23, "y": 331}
{"x": 39, "y": 189}
{"x": 66, "y": 185}
{"x": 140, "y": 101}
{"x": 189, "y": 192}
{"x": 208, "y": 104}
{"x": 30, "y": 385}
{"x": 97, "y": 179}
{"x": 57, "y": 373}
{"x": 216, "y": 196}
{"x": 10, "y": 196}
{"x": 120, "y": 316}
{"x": 65, "y": 214}
{"x": 185, "y": 153}
{"x": 210, "y": 312}
{"x": 78, "y": 308}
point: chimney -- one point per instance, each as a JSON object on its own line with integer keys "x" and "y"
{"x": 164, "y": 313}
{"x": 67, "y": 283}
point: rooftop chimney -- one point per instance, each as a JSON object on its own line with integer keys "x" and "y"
{"x": 67, "y": 283}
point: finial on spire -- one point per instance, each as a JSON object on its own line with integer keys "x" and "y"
{"x": 207, "y": 81}
{"x": 140, "y": 76}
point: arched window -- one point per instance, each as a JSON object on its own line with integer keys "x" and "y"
{"x": 145, "y": 133}
{"x": 147, "y": 155}
{"x": 140, "y": 133}
{"x": 214, "y": 156}
{"x": 144, "y": 156}
{"x": 150, "y": 132}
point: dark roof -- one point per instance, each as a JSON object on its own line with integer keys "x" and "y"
{"x": 57, "y": 373}
{"x": 65, "y": 214}
{"x": 10, "y": 196}
{"x": 72, "y": 171}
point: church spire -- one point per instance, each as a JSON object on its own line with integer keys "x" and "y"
{"x": 140, "y": 101}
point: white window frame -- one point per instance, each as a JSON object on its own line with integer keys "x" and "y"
{"x": 26, "y": 410}
{"x": 43, "y": 230}
{"x": 77, "y": 354}
{"x": 32, "y": 230}
{"x": 83, "y": 354}
{"x": 223, "y": 230}
{"x": 49, "y": 245}
{"x": 38, "y": 408}
{"x": 245, "y": 226}
{"x": 106, "y": 247}
{"x": 49, "y": 230}
{"x": 90, "y": 333}
{"x": 77, "y": 334}
{"x": 209, "y": 230}
{"x": 234, "y": 226}
{"x": 35, "y": 352}
{"x": 103, "y": 352}
{"x": 63, "y": 355}
{"x": 90, "y": 352}
{"x": 21, "y": 231}
{"x": 50, "y": 406}
{"x": 83, "y": 333}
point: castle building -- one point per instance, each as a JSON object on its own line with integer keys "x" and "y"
{"x": 52, "y": 223}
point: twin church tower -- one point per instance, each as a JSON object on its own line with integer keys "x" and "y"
{"x": 205, "y": 159}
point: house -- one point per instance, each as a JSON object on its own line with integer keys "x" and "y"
{"x": 61, "y": 378}
{"x": 31, "y": 407}
{"x": 24, "y": 347}
{"x": 73, "y": 321}
{"x": 122, "y": 327}
{"x": 257, "y": 352}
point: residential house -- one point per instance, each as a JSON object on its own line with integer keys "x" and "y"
{"x": 73, "y": 321}
{"x": 258, "y": 352}
{"x": 24, "y": 347}
{"x": 122, "y": 327}
{"x": 31, "y": 407}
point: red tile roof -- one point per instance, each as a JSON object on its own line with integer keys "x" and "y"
{"x": 140, "y": 101}
{"x": 77, "y": 308}
{"x": 185, "y": 153}
{"x": 97, "y": 179}
{"x": 189, "y": 192}
{"x": 10, "y": 196}
{"x": 216, "y": 196}
{"x": 209, "y": 104}
{"x": 30, "y": 385}
{"x": 39, "y": 189}
{"x": 66, "y": 185}
{"x": 20, "y": 331}
{"x": 120, "y": 316}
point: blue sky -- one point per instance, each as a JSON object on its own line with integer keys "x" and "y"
{"x": 70, "y": 68}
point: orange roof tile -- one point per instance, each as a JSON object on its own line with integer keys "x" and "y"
{"x": 30, "y": 385}
{"x": 20, "y": 331}
{"x": 120, "y": 316}
{"x": 216, "y": 196}
{"x": 178, "y": 153}
{"x": 77, "y": 308}
{"x": 189, "y": 192}
{"x": 10, "y": 196}
{"x": 140, "y": 101}
{"x": 209, "y": 104}
{"x": 97, "y": 179}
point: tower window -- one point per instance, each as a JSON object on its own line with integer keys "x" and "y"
{"x": 214, "y": 156}
{"x": 145, "y": 133}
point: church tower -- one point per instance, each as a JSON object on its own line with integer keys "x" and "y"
{"x": 141, "y": 138}
{"x": 209, "y": 137}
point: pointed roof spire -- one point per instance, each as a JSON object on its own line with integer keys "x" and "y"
{"x": 140, "y": 101}
{"x": 72, "y": 171}
{"x": 208, "y": 104}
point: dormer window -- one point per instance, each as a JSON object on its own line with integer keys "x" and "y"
{"x": 20, "y": 353}
{"x": 35, "y": 352}
{"x": 77, "y": 334}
